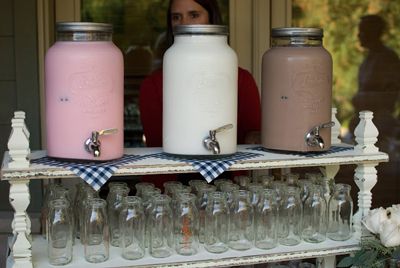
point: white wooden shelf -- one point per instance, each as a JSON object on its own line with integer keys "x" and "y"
{"x": 202, "y": 258}
{"x": 267, "y": 160}
{"x": 18, "y": 170}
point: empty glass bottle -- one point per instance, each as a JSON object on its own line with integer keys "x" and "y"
{"x": 290, "y": 217}
{"x": 315, "y": 217}
{"x": 202, "y": 200}
{"x": 266, "y": 221}
{"x": 195, "y": 184}
{"x": 148, "y": 197}
{"x": 141, "y": 186}
{"x": 265, "y": 180}
{"x": 169, "y": 186}
{"x": 228, "y": 189}
{"x": 131, "y": 224}
{"x": 216, "y": 223}
{"x": 88, "y": 193}
{"x": 114, "y": 205}
{"x": 305, "y": 186}
{"x": 96, "y": 232}
{"x": 186, "y": 225}
{"x": 340, "y": 211}
{"x": 161, "y": 227}
{"x": 219, "y": 182}
{"x": 60, "y": 230}
{"x": 291, "y": 179}
{"x": 241, "y": 228}
{"x": 242, "y": 181}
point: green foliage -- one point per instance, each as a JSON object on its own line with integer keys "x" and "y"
{"x": 339, "y": 19}
{"x": 371, "y": 255}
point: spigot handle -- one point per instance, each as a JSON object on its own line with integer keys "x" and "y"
{"x": 211, "y": 142}
{"x": 327, "y": 125}
{"x": 108, "y": 131}
{"x": 223, "y": 128}
{"x": 92, "y": 144}
{"x": 313, "y": 138}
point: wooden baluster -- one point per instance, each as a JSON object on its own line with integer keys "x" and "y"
{"x": 18, "y": 142}
{"x": 365, "y": 175}
{"x": 21, "y": 248}
{"x": 18, "y": 147}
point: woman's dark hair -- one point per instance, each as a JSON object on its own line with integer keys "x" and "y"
{"x": 212, "y": 8}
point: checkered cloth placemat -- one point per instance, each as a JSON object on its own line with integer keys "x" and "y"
{"x": 95, "y": 174}
{"x": 210, "y": 168}
{"x": 333, "y": 149}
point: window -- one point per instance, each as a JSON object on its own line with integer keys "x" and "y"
{"x": 366, "y": 70}
{"x": 139, "y": 31}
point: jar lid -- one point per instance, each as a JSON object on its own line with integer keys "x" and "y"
{"x": 295, "y": 31}
{"x": 209, "y": 29}
{"x": 83, "y": 27}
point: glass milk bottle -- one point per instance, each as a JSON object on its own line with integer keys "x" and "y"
{"x": 60, "y": 230}
{"x": 315, "y": 217}
{"x": 161, "y": 244}
{"x": 131, "y": 225}
{"x": 186, "y": 225}
{"x": 290, "y": 217}
{"x": 200, "y": 73}
{"x": 241, "y": 227}
{"x": 216, "y": 223}
{"x": 296, "y": 91}
{"x": 114, "y": 205}
{"x": 340, "y": 209}
{"x": 266, "y": 221}
{"x": 97, "y": 240}
{"x": 84, "y": 88}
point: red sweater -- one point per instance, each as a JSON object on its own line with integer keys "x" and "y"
{"x": 151, "y": 106}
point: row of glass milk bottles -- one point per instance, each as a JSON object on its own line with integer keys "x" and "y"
{"x": 239, "y": 214}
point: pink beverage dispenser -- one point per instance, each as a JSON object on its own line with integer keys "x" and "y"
{"x": 84, "y": 93}
{"x": 296, "y": 91}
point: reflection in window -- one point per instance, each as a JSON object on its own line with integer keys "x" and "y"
{"x": 139, "y": 31}
{"x": 366, "y": 71}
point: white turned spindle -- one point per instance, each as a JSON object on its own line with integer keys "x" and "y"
{"x": 21, "y": 115}
{"x": 18, "y": 142}
{"x": 335, "y": 132}
{"x": 21, "y": 248}
{"x": 366, "y": 134}
{"x": 365, "y": 178}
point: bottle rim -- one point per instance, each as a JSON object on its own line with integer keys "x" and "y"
{"x": 201, "y": 29}
{"x": 297, "y": 32}
{"x": 83, "y": 27}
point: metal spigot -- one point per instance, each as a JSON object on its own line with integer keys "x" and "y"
{"x": 313, "y": 139}
{"x": 93, "y": 144}
{"x": 211, "y": 143}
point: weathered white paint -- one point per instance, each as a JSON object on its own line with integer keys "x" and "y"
{"x": 365, "y": 155}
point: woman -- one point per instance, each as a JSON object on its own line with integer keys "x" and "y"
{"x": 181, "y": 12}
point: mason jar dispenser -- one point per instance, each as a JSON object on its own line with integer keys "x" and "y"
{"x": 200, "y": 76}
{"x": 296, "y": 91}
{"x": 84, "y": 93}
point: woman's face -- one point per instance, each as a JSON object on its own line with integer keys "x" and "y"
{"x": 188, "y": 12}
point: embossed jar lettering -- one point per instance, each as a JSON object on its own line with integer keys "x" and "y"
{"x": 84, "y": 93}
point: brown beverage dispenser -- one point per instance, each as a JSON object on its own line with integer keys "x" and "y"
{"x": 296, "y": 91}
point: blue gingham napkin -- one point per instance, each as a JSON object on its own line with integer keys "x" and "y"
{"x": 210, "y": 168}
{"x": 95, "y": 174}
{"x": 333, "y": 149}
